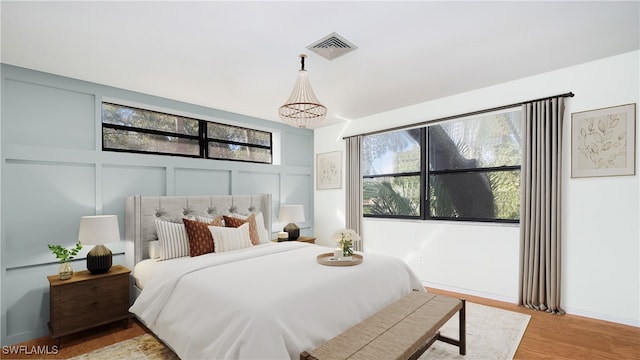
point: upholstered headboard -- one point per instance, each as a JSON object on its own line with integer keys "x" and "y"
{"x": 141, "y": 212}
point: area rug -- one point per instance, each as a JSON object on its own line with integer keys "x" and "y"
{"x": 491, "y": 334}
{"x": 143, "y": 347}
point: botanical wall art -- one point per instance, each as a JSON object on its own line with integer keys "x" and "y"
{"x": 603, "y": 142}
{"x": 329, "y": 170}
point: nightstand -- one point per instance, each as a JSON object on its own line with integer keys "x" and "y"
{"x": 307, "y": 239}
{"x": 87, "y": 300}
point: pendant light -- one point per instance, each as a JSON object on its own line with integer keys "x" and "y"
{"x": 303, "y": 108}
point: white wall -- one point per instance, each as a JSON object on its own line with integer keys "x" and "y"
{"x": 601, "y": 251}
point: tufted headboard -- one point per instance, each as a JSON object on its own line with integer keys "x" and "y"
{"x": 141, "y": 212}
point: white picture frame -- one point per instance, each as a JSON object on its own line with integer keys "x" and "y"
{"x": 329, "y": 170}
{"x": 603, "y": 142}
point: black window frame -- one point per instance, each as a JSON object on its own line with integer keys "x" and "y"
{"x": 202, "y": 137}
{"x": 468, "y": 170}
{"x": 425, "y": 175}
{"x": 420, "y": 173}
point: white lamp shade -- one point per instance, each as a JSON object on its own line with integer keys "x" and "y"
{"x": 98, "y": 229}
{"x": 291, "y": 213}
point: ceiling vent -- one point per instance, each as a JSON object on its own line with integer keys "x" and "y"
{"x": 332, "y": 46}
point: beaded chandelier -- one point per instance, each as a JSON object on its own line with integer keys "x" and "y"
{"x": 303, "y": 108}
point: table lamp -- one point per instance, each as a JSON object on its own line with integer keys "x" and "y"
{"x": 98, "y": 230}
{"x": 290, "y": 214}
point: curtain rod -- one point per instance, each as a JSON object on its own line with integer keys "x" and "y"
{"x": 503, "y": 107}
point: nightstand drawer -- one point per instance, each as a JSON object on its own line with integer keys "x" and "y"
{"x": 84, "y": 313}
{"x": 96, "y": 288}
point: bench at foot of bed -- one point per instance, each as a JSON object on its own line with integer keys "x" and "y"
{"x": 402, "y": 330}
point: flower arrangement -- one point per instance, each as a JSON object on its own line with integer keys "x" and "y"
{"x": 65, "y": 271}
{"x": 64, "y": 254}
{"x": 345, "y": 239}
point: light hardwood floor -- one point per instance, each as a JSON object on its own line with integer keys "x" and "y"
{"x": 547, "y": 337}
{"x": 567, "y": 336}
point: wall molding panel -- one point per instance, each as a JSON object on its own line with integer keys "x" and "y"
{"x": 54, "y": 171}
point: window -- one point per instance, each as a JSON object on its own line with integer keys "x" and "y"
{"x": 474, "y": 168}
{"x": 391, "y": 167}
{"x": 130, "y": 129}
{"x": 238, "y": 143}
{"x": 470, "y": 170}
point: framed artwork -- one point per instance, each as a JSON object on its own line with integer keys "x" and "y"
{"x": 329, "y": 170}
{"x": 603, "y": 142}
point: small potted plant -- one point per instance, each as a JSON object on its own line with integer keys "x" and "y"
{"x": 65, "y": 255}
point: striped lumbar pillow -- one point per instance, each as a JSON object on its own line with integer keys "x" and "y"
{"x": 173, "y": 240}
{"x": 228, "y": 238}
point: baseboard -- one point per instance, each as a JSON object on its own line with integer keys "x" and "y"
{"x": 603, "y": 317}
{"x": 25, "y": 336}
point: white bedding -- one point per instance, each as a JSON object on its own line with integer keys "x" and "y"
{"x": 145, "y": 269}
{"x": 270, "y": 301}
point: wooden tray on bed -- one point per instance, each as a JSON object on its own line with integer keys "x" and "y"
{"x": 324, "y": 260}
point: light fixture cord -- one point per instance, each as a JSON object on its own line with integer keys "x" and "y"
{"x": 302, "y": 56}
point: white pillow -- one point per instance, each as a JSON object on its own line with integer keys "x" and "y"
{"x": 174, "y": 242}
{"x": 263, "y": 233}
{"x": 154, "y": 249}
{"x": 227, "y": 238}
{"x": 207, "y": 219}
{"x": 262, "y": 230}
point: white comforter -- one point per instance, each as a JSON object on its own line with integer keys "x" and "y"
{"x": 271, "y": 301}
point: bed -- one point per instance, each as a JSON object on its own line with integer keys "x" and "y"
{"x": 264, "y": 301}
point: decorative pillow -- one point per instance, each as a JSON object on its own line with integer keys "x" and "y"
{"x": 154, "y": 249}
{"x": 173, "y": 240}
{"x": 262, "y": 230}
{"x": 229, "y": 238}
{"x": 218, "y": 221}
{"x": 254, "y": 235}
{"x": 199, "y": 236}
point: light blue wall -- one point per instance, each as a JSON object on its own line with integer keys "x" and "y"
{"x": 53, "y": 171}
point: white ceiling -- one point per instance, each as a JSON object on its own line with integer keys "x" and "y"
{"x": 243, "y": 56}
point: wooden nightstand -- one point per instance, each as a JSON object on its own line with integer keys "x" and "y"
{"x": 88, "y": 300}
{"x": 307, "y": 239}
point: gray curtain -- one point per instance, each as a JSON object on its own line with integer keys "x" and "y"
{"x": 540, "y": 220}
{"x": 353, "y": 208}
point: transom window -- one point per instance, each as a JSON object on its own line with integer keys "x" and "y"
{"x": 467, "y": 169}
{"x": 130, "y": 129}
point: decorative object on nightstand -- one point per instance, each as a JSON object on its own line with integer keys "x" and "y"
{"x": 291, "y": 214}
{"x": 65, "y": 272}
{"x": 88, "y": 300}
{"x": 98, "y": 230}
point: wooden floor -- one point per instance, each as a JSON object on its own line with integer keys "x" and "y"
{"x": 567, "y": 336}
{"x": 547, "y": 337}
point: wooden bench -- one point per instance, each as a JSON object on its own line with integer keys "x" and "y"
{"x": 402, "y": 330}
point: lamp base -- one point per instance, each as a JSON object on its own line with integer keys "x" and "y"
{"x": 99, "y": 259}
{"x": 293, "y": 230}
